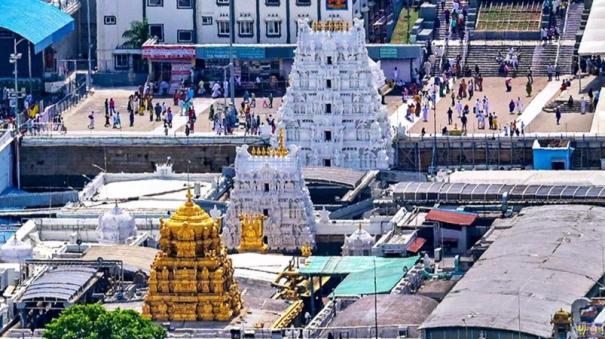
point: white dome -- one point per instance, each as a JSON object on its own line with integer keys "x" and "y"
{"x": 14, "y": 251}
{"x": 360, "y": 235}
{"x": 115, "y": 227}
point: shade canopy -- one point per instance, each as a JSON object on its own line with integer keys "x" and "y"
{"x": 39, "y": 22}
{"x": 593, "y": 39}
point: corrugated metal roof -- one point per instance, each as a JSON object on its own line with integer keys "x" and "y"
{"x": 39, "y": 22}
{"x": 548, "y": 257}
{"x": 451, "y": 217}
{"x": 61, "y": 283}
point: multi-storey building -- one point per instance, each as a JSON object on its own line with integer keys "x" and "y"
{"x": 332, "y": 109}
{"x": 205, "y": 22}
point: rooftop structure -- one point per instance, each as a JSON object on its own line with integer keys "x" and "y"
{"x": 528, "y": 273}
{"x": 332, "y": 109}
{"x": 360, "y": 242}
{"x": 395, "y": 312}
{"x": 116, "y": 226}
{"x": 269, "y": 182}
{"x": 191, "y": 277}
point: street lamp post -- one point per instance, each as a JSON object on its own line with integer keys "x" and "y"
{"x": 14, "y": 59}
{"x": 231, "y": 38}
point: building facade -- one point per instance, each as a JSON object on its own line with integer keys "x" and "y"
{"x": 205, "y": 22}
{"x": 270, "y": 182}
{"x": 332, "y": 109}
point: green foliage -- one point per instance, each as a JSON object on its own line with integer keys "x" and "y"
{"x": 137, "y": 34}
{"x": 403, "y": 28}
{"x": 94, "y": 322}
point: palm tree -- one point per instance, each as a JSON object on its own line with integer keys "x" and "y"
{"x": 137, "y": 34}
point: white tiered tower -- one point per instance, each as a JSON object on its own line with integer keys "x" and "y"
{"x": 270, "y": 181}
{"x": 332, "y": 109}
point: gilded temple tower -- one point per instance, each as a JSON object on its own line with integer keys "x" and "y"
{"x": 191, "y": 278}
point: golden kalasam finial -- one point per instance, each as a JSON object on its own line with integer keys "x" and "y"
{"x": 189, "y": 195}
{"x": 281, "y": 140}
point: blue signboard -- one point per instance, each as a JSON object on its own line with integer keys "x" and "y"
{"x": 220, "y": 52}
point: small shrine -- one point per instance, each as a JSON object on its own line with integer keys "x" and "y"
{"x": 252, "y": 233}
{"x": 191, "y": 278}
{"x": 360, "y": 242}
{"x": 116, "y": 226}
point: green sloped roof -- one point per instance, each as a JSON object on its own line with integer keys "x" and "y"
{"x": 359, "y": 271}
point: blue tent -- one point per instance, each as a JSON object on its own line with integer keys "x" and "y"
{"x": 37, "y": 21}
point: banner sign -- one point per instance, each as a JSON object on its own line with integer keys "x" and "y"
{"x": 169, "y": 52}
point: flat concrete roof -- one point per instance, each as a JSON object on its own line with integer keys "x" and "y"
{"x": 579, "y": 178}
{"x": 546, "y": 258}
{"x": 134, "y": 257}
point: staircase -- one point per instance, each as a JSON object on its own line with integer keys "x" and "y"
{"x": 440, "y": 32}
{"x": 484, "y": 56}
{"x": 543, "y": 56}
{"x": 574, "y": 21}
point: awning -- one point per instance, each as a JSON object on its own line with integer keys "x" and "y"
{"x": 451, "y": 217}
{"x": 593, "y": 39}
{"x": 37, "y": 21}
{"x": 416, "y": 245}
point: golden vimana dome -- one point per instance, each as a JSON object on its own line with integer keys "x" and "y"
{"x": 191, "y": 278}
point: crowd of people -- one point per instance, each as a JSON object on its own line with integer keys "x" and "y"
{"x": 142, "y": 101}
{"x": 454, "y": 19}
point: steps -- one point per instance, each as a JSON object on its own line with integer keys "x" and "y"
{"x": 484, "y": 56}
{"x": 440, "y": 32}
{"x": 543, "y": 56}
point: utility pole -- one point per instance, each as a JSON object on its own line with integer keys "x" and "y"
{"x": 89, "y": 73}
{"x": 375, "y": 301}
{"x": 14, "y": 98}
{"x": 231, "y": 38}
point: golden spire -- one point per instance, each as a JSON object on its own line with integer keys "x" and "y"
{"x": 189, "y": 195}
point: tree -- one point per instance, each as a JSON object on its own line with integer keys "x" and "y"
{"x": 137, "y": 34}
{"x": 92, "y": 321}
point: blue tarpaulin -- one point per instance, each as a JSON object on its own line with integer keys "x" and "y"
{"x": 35, "y": 20}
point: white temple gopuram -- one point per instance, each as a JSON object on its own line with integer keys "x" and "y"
{"x": 332, "y": 108}
{"x": 269, "y": 181}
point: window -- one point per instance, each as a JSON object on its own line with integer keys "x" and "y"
{"x": 223, "y": 28}
{"x": 246, "y": 28}
{"x": 327, "y": 136}
{"x": 273, "y": 28}
{"x": 329, "y": 62}
{"x": 328, "y": 83}
{"x": 303, "y": 2}
{"x": 109, "y": 20}
{"x": 184, "y": 4}
{"x": 121, "y": 61}
{"x": 222, "y": 2}
{"x": 157, "y": 30}
{"x": 328, "y": 108}
{"x": 266, "y": 187}
{"x": 206, "y": 20}
{"x": 266, "y": 212}
{"x": 271, "y": 2}
{"x": 184, "y": 36}
{"x": 327, "y": 163}
{"x": 155, "y": 3}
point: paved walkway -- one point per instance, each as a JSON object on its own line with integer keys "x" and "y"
{"x": 200, "y": 105}
{"x": 535, "y": 106}
{"x": 598, "y": 120}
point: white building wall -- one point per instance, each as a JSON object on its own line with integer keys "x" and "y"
{"x": 173, "y": 19}
{"x": 317, "y": 10}
{"x": 6, "y": 161}
{"x": 110, "y": 36}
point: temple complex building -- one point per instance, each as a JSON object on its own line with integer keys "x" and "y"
{"x": 269, "y": 182}
{"x": 191, "y": 278}
{"x": 360, "y": 242}
{"x": 332, "y": 109}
